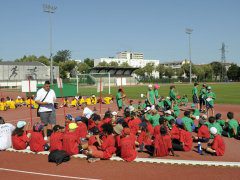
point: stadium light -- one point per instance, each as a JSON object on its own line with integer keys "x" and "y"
{"x": 189, "y": 32}
{"x": 50, "y": 10}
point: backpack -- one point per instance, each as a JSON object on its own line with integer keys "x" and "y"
{"x": 58, "y": 156}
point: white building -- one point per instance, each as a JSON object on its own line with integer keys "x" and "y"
{"x": 133, "y": 59}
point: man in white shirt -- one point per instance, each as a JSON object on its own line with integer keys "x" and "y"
{"x": 6, "y": 130}
{"x": 86, "y": 111}
{"x": 46, "y": 98}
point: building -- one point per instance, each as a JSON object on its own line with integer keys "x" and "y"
{"x": 133, "y": 59}
{"x": 175, "y": 64}
{"x": 13, "y": 73}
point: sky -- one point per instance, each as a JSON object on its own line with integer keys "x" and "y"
{"x": 101, "y": 28}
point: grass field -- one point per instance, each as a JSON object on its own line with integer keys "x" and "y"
{"x": 226, "y": 93}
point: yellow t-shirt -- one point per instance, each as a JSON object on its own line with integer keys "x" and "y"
{"x": 88, "y": 101}
{"x": 74, "y": 102}
{"x": 107, "y": 100}
{"x": 94, "y": 100}
{"x": 12, "y": 105}
{"x": 81, "y": 101}
{"x": 2, "y": 106}
{"x": 18, "y": 101}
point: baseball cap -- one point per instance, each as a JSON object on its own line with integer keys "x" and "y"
{"x": 38, "y": 126}
{"x": 21, "y": 124}
{"x": 78, "y": 118}
{"x": 72, "y": 126}
{"x": 19, "y": 97}
{"x": 150, "y": 86}
{"x": 168, "y": 112}
{"x": 69, "y": 117}
{"x": 118, "y": 129}
{"x": 114, "y": 113}
{"x": 179, "y": 121}
{"x": 131, "y": 108}
{"x": 209, "y": 87}
{"x": 213, "y": 130}
{"x": 57, "y": 127}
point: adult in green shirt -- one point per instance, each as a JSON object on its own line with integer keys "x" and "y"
{"x": 119, "y": 99}
{"x": 233, "y": 125}
{"x": 213, "y": 123}
{"x": 202, "y": 99}
{"x": 188, "y": 122}
{"x": 151, "y": 96}
{"x": 210, "y": 98}
{"x": 156, "y": 87}
{"x": 195, "y": 94}
{"x": 172, "y": 93}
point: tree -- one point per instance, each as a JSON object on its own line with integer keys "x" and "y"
{"x": 200, "y": 73}
{"x": 208, "y": 72}
{"x": 169, "y": 72}
{"x": 33, "y": 58}
{"x": 125, "y": 65}
{"x": 232, "y": 72}
{"x": 140, "y": 72}
{"x": 160, "y": 69}
{"x": 149, "y": 68}
{"x": 113, "y": 64}
{"x": 66, "y": 67}
{"x": 186, "y": 69}
{"x": 62, "y": 56}
{"x": 218, "y": 69}
{"x": 103, "y": 64}
{"x": 44, "y": 60}
{"x": 89, "y": 62}
{"x": 83, "y": 68}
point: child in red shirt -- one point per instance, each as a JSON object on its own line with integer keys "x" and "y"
{"x": 127, "y": 146}
{"x": 174, "y": 132}
{"x": 20, "y": 138}
{"x": 134, "y": 123}
{"x": 106, "y": 145}
{"x": 68, "y": 119}
{"x": 56, "y": 138}
{"x": 203, "y": 134}
{"x": 70, "y": 140}
{"x": 37, "y": 143}
{"x": 217, "y": 146}
{"x": 81, "y": 131}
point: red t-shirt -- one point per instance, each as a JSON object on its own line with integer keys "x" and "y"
{"x": 66, "y": 126}
{"x": 92, "y": 140}
{"x": 162, "y": 144}
{"x": 56, "y": 139}
{"x": 128, "y": 150}
{"x": 134, "y": 125}
{"x": 117, "y": 139}
{"x": 145, "y": 138}
{"x": 203, "y": 132}
{"x": 150, "y": 128}
{"x": 156, "y": 130}
{"x": 186, "y": 138}
{"x": 127, "y": 119}
{"x": 218, "y": 145}
{"x": 70, "y": 143}
{"x": 108, "y": 146}
{"x": 99, "y": 126}
{"x": 37, "y": 142}
{"x": 81, "y": 131}
{"x": 107, "y": 120}
{"x": 175, "y": 133}
{"x": 91, "y": 124}
{"x": 20, "y": 142}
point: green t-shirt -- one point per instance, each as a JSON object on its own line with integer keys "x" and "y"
{"x": 233, "y": 124}
{"x": 148, "y": 116}
{"x": 151, "y": 97}
{"x": 196, "y": 112}
{"x": 195, "y": 91}
{"x": 188, "y": 122}
{"x": 167, "y": 102}
{"x": 119, "y": 99}
{"x": 161, "y": 103}
{"x": 172, "y": 95}
{"x": 176, "y": 110}
{"x": 168, "y": 118}
{"x": 221, "y": 122}
{"x": 203, "y": 92}
{"x": 154, "y": 119}
{"x": 213, "y": 97}
{"x": 156, "y": 93}
{"x": 217, "y": 126}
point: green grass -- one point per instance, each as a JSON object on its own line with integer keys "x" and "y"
{"x": 226, "y": 93}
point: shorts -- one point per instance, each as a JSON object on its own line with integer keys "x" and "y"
{"x": 195, "y": 99}
{"x": 208, "y": 105}
{"x": 48, "y": 117}
{"x": 202, "y": 101}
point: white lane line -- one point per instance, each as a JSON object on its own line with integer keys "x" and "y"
{"x": 44, "y": 174}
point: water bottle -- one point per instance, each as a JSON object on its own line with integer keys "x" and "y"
{"x": 199, "y": 148}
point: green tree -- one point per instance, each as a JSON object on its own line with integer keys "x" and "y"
{"x": 200, "y": 73}
{"x": 62, "y": 56}
{"x": 103, "y": 64}
{"x": 125, "y": 64}
{"x": 160, "y": 69}
{"x": 149, "y": 68}
{"x": 218, "y": 69}
{"x": 113, "y": 64}
{"x": 83, "y": 68}
{"x": 89, "y": 62}
{"x": 66, "y": 67}
{"x": 233, "y": 72}
{"x": 44, "y": 60}
{"x": 140, "y": 72}
{"x": 169, "y": 72}
{"x": 186, "y": 69}
{"x": 208, "y": 72}
{"x": 33, "y": 58}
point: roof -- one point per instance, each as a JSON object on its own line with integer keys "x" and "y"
{"x": 114, "y": 70}
{"x": 13, "y": 63}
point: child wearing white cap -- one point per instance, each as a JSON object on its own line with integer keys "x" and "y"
{"x": 217, "y": 146}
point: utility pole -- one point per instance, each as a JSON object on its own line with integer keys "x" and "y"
{"x": 189, "y": 32}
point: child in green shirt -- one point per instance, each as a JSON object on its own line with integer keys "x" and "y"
{"x": 210, "y": 98}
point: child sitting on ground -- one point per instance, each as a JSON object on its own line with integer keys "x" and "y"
{"x": 231, "y": 127}
{"x": 56, "y": 138}
{"x": 203, "y": 134}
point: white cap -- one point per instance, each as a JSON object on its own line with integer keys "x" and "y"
{"x": 19, "y": 97}
{"x": 167, "y": 97}
{"x": 168, "y": 112}
{"x": 114, "y": 113}
{"x": 93, "y": 95}
{"x": 150, "y": 86}
{"x": 76, "y": 97}
{"x": 152, "y": 107}
{"x": 213, "y": 130}
{"x": 147, "y": 109}
{"x": 142, "y": 95}
{"x": 131, "y": 108}
{"x": 21, "y": 124}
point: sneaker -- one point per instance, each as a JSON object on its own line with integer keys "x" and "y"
{"x": 45, "y": 138}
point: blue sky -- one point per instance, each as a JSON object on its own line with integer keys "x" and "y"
{"x": 100, "y": 28}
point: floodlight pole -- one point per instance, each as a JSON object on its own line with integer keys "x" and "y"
{"x": 50, "y": 10}
{"x": 189, "y": 32}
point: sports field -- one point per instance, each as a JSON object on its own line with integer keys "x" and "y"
{"x": 226, "y": 93}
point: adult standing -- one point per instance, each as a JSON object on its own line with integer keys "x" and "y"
{"x": 172, "y": 95}
{"x": 195, "y": 95}
{"x": 6, "y": 130}
{"x": 151, "y": 96}
{"x": 202, "y": 96}
{"x": 119, "y": 98}
{"x": 45, "y": 98}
